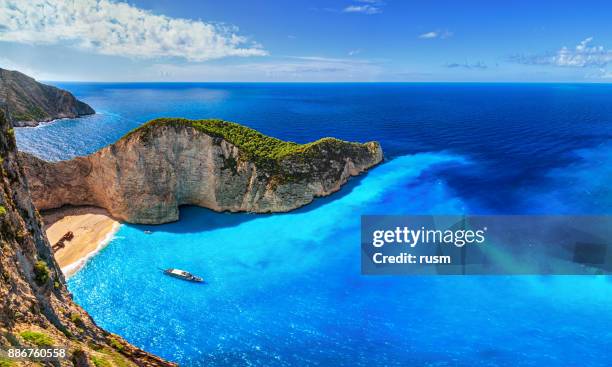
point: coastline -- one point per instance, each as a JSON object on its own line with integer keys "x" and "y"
{"x": 35, "y": 124}
{"x": 93, "y": 229}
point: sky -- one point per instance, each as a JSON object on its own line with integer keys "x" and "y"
{"x": 308, "y": 40}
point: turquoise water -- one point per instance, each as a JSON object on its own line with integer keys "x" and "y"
{"x": 286, "y": 289}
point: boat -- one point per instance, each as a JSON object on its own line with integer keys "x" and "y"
{"x": 148, "y": 232}
{"x": 182, "y": 274}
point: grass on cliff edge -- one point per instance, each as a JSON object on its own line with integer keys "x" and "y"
{"x": 37, "y": 338}
{"x": 251, "y": 142}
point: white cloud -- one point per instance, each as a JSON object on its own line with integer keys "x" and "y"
{"x": 436, "y": 34}
{"x": 601, "y": 73}
{"x": 583, "y": 55}
{"x": 604, "y": 74}
{"x": 369, "y": 7}
{"x": 365, "y": 9}
{"x": 117, "y": 28}
{"x": 354, "y": 52}
{"x": 429, "y": 35}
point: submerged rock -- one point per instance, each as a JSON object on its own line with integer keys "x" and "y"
{"x": 145, "y": 176}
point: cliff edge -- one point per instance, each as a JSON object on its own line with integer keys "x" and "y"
{"x": 36, "y": 309}
{"x": 146, "y": 175}
{"x": 29, "y": 102}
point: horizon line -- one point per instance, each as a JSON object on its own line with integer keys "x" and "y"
{"x": 326, "y": 82}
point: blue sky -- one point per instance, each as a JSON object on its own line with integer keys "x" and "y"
{"x": 299, "y": 40}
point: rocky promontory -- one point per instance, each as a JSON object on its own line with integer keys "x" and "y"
{"x": 146, "y": 175}
{"x": 29, "y": 102}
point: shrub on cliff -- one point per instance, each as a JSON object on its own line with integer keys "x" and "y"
{"x": 76, "y": 319}
{"x": 41, "y": 272}
{"x": 36, "y": 338}
{"x": 116, "y": 344}
{"x": 100, "y": 362}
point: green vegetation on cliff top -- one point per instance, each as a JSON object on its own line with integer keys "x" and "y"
{"x": 254, "y": 144}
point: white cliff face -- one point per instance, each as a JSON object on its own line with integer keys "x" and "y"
{"x": 145, "y": 177}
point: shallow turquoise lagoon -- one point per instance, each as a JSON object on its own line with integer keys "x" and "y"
{"x": 286, "y": 289}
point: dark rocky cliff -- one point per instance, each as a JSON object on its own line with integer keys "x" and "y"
{"x": 147, "y": 175}
{"x": 29, "y": 102}
{"x": 36, "y": 309}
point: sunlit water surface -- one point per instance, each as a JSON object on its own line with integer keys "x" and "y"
{"x": 286, "y": 289}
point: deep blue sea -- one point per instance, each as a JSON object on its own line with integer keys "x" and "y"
{"x": 286, "y": 289}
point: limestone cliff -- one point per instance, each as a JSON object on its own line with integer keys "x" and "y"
{"x": 36, "y": 309}
{"x": 29, "y": 102}
{"x": 148, "y": 174}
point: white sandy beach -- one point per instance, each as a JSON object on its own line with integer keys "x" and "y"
{"x": 93, "y": 228}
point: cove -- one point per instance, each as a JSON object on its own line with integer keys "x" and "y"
{"x": 284, "y": 283}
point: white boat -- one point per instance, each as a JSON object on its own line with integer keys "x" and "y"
{"x": 182, "y": 274}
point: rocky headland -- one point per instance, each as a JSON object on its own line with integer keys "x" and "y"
{"x": 36, "y": 309}
{"x": 146, "y": 175}
{"x": 28, "y": 102}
